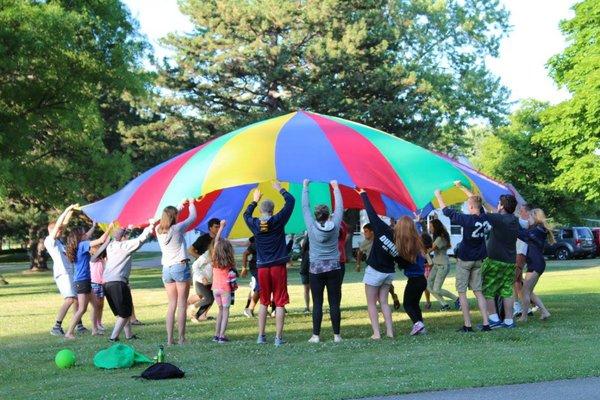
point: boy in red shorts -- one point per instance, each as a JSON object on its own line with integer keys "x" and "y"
{"x": 271, "y": 258}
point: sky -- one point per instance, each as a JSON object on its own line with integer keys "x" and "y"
{"x": 534, "y": 38}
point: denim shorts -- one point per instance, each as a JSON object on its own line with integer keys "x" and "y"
{"x": 179, "y": 272}
{"x": 97, "y": 290}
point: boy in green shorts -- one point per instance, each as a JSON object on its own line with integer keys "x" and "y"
{"x": 498, "y": 269}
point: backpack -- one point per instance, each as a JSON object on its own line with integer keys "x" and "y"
{"x": 162, "y": 371}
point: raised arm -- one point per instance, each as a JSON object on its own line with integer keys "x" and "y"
{"x": 308, "y": 219}
{"x": 62, "y": 220}
{"x": 466, "y": 191}
{"x": 250, "y": 209}
{"x": 103, "y": 238}
{"x": 284, "y": 215}
{"x": 191, "y": 217}
{"x": 438, "y": 196}
{"x": 90, "y": 232}
{"x": 338, "y": 212}
{"x": 219, "y": 232}
{"x": 97, "y": 253}
{"x": 371, "y": 213}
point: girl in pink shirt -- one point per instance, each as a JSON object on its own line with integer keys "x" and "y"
{"x": 223, "y": 261}
{"x": 97, "y": 262}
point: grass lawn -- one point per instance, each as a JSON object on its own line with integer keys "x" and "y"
{"x": 566, "y": 346}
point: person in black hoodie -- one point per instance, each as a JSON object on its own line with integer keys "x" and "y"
{"x": 380, "y": 270}
{"x": 272, "y": 256}
{"x": 535, "y": 237}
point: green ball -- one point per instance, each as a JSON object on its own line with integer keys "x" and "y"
{"x": 65, "y": 358}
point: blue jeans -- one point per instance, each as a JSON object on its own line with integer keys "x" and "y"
{"x": 179, "y": 272}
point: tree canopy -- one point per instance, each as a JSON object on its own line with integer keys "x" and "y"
{"x": 572, "y": 128}
{"x": 412, "y": 68}
{"x": 67, "y": 72}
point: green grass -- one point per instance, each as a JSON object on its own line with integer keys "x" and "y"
{"x": 563, "y": 347}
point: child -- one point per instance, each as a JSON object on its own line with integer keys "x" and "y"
{"x": 249, "y": 263}
{"x": 62, "y": 269}
{"x": 223, "y": 261}
{"x": 97, "y": 262}
{"x": 116, "y": 279}
{"x": 411, "y": 259}
{"x": 441, "y": 265}
{"x": 78, "y": 253}
{"x": 535, "y": 237}
{"x": 202, "y": 273}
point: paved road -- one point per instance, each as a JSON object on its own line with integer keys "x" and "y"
{"x": 572, "y": 389}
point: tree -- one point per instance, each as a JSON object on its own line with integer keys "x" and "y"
{"x": 513, "y": 154}
{"x": 69, "y": 68}
{"x": 572, "y": 128}
{"x": 412, "y": 68}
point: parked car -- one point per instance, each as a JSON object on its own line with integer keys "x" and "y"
{"x": 596, "y": 233}
{"x": 576, "y": 241}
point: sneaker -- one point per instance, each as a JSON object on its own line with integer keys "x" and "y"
{"x": 428, "y": 306}
{"x": 337, "y": 338}
{"x": 517, "y": 309}
{"x": 223, "y": 339}
{"x": 534, "y": 309}
{"x": 465, "y": 329}
{"x": 507, "y": 326}
{"x": 495, "y": 325}
{"x": 457, "y": 304}
{"x": 57, "y": 331}
{"x": 113, "y": 340}
{"x": 306, "y": 311}
{"x": 485, "y": 328}
{"x": 101, "y": 328}
{"x": 81, "y": 329}
{"x": 215, "y": 339}
{"x": 445, "y": 307}
{"x": 248, "y": 313}
{"x": 273, "y": 313}
{"x": 314, "y": 339}
{"x": 262, "y": 339}
{"x": 279, "y": 342}
{"x": 133, "y": 337}
{"x": 137, "y": 322}
{"x": 417, "y": 328}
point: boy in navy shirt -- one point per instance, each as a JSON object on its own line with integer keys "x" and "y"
{"x": 470, "y": 254}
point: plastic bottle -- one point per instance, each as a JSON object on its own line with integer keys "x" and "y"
{"x": 161, "y": 354}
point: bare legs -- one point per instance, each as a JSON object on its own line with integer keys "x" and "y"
{"x": 97, "y": 309}
{"x": 481, "y": 303}
{"x": 82, "y": 300}
{"x": 531, "y": 280}
{"x": 177, "y": 293}
{"x": 380, "y": 294}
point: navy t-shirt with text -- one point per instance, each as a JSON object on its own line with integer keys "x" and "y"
{"x": 472, "y": 247}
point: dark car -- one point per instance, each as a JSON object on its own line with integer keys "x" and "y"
{"x": 596, "y": 233}
{"x": 577, "y": 241}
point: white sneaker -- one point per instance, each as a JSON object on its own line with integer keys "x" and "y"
{"x": 517, "y": 308}
{"x": 337, "y": 338}
{"x": 314, "y": 339}
{"x": 248, "y": 313}
{"x": 534, "y": 309}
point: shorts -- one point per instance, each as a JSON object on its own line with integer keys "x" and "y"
{"x": 304, "y": 278}
{"x": 498, "y": 278}
{"x": 539, "y": 270}
{"x": 119, "y": 299}
{"x": 521, "y": 261}
{"x": 222, "y": 297}
{"x": 83, "y": 287}
{"x": 468, "y": 275}
{"x": 180, "y": 272}
{"x": 65, "y": 285}
{"x": 254, "y": 280}
{"x": 375, "y": 278}
{"x": 98, "y": 290}
{"x": 427, "y": 270}
{"x": 273, "y": 281}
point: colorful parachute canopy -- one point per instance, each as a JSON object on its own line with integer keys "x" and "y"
{"x": 399, "y": 176}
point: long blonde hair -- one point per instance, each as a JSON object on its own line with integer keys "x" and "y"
{"x": 167, "y": 219}
{"x": 223, "y": 255}
{"x": 407, "y": 240}
{"x": 539, "y": 218}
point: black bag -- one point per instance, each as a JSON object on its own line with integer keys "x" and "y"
{"x": 162, "y": 371}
